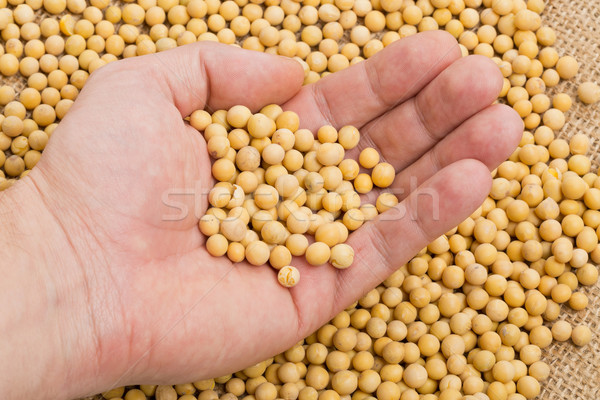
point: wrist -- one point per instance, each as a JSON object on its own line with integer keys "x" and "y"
{"x": 48, "y": 343}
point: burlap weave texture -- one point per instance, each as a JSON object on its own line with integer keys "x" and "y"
{"x": 575, "y": 372}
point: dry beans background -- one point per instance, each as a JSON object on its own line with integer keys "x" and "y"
{"x": 575, "y": 371}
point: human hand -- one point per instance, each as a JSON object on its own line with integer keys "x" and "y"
{"x": 116, "y": 292}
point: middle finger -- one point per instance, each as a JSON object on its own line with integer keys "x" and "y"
{"x": 408, "y": 131}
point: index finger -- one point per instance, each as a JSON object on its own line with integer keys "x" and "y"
{"x": 368, "y": 89}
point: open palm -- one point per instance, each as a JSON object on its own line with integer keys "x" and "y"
{"x": 160, "y": 309}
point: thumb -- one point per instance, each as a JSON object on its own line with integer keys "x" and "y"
{"x": 211, "y": 75}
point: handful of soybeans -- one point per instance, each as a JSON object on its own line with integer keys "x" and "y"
{"x": 276, "y": 184}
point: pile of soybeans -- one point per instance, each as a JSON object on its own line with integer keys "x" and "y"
{"x": 276, "y": 183}
{"x": 470, "y": 315}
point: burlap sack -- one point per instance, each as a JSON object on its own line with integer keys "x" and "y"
{"x": 575, "y": 372}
